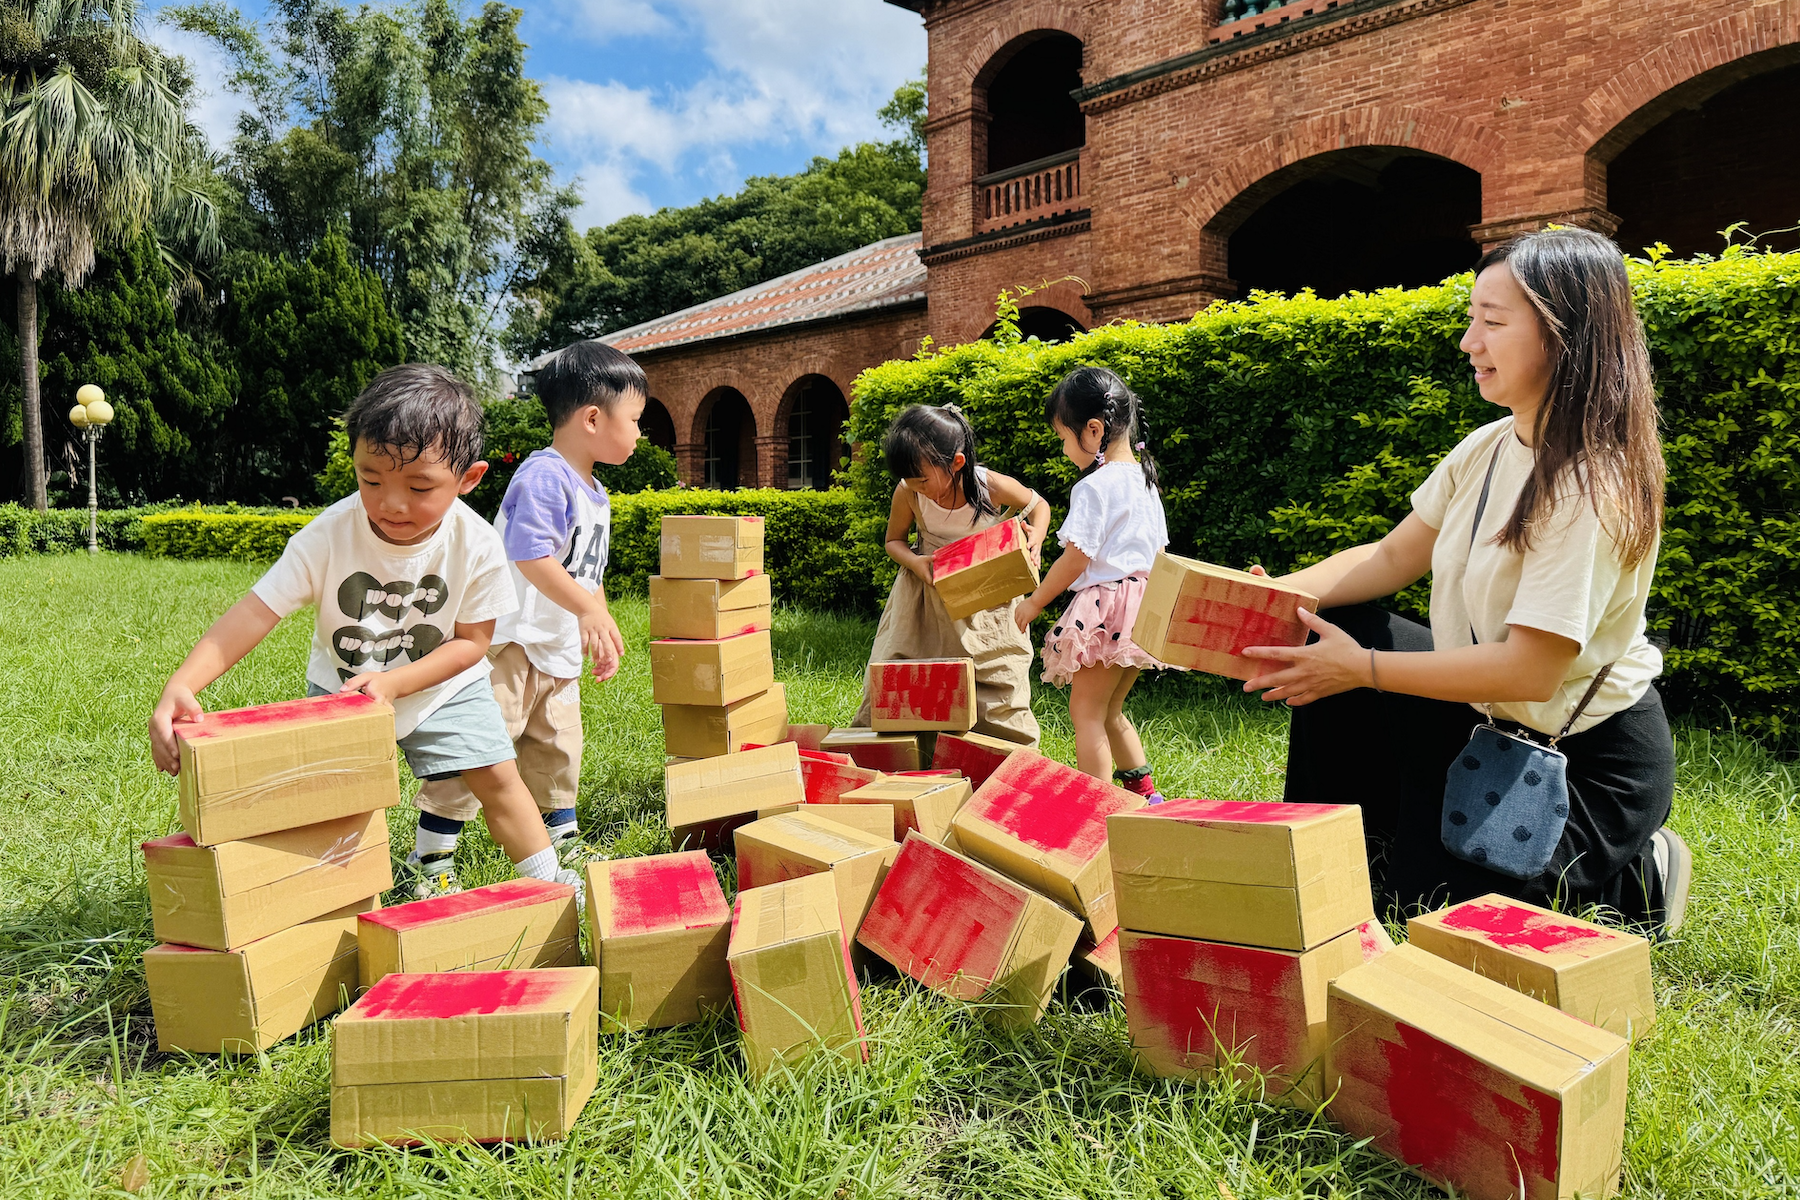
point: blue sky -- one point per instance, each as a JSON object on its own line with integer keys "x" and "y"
{"x": 662, "y": 102}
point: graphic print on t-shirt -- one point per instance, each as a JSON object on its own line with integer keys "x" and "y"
{"x": 362, "y": 596}
{"x": 593, "y": 555}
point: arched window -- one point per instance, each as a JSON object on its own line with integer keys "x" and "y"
{"x": 817, "y": 413}
{"x": 657, "y": 425}
{"x": 1043, "y": 323}
{"x": 1031, "y": 114}
{"x": 729, "y": 459}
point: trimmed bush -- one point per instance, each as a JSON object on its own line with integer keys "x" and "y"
{"x": 199, "y": 533}
{"x": 64, "y": 530}
{"x": 1289, "y": 428}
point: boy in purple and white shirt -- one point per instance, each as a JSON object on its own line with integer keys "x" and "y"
{"x": 555, "y": 523}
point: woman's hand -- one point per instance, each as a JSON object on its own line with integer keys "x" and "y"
{"x": 1025, "y": 612}
{"x": 1301, "y": 674}
{"x": 920, "y": 565}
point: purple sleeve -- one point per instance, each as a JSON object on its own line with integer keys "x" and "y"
{"x": 540, "y": 514}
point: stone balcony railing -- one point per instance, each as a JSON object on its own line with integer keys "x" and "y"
{"x": 1046, "y": 187}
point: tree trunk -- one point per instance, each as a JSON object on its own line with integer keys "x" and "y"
{"x": 35, "y": 482}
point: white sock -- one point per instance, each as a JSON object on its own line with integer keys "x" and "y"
{"x": 426, "y": 842}
{"x": 542, "y": 865}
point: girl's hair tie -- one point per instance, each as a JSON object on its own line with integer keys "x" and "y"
{"x": 1140, "y": 447}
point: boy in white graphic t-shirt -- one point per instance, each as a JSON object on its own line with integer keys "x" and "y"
{"x": 555, "y": 523}
{"x": 409, "y": 582}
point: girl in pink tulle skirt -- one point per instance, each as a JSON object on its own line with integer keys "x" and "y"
{"x": 1113, "y": 533}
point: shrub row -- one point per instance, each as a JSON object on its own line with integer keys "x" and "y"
{"x": 199, "y": 533}
{"x": 1288, "y": 428}
{"x": 64, "y": 530}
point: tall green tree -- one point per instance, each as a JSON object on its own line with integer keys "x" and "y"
{"x": 94, "y": 146}
{"x": 411, "y": 130}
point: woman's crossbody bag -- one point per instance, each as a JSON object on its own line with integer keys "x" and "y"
{"x": 1506, "y": 797}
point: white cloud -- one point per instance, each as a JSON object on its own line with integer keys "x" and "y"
{"x": 212, "y": 106}
{"x": 602, "y": 20}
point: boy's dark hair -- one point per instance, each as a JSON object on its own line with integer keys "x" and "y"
{"x": 1096, "y": 394}
{"x": 587, "y": 373}
{"x": 922, "y": 434}
{"x": 411, "y": 409}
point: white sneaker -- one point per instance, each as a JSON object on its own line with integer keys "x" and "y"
{"x": 430, "y": 877}
{"x": 574, "y": 879}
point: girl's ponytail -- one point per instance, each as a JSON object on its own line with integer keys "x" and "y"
{"x": 924, "y": 435}
{"x": 1142, "y": 448}
{"x": 970, "y": 479}
{"x": 1096, "y": 394}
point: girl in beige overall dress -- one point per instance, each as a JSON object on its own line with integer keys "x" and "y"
{"x": 947, "y": 496}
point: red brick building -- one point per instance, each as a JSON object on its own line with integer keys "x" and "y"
{"x": 1144, "y": 157}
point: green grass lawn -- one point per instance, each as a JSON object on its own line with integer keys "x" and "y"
{"x": 947, "y": 1107}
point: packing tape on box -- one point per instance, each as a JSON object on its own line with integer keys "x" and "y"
{"x": 240, "y": 797}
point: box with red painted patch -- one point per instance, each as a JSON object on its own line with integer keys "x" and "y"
{"x": 490, "y": 1056}
{"x": 1045, "y": 824}
{"x": 876, "y": 820}
{"x": 232, "y": 893}
{"x": 658, "y": 927}
{"x": 1589, "y": 971}
{"x": 970, "y": 932}
{"x": 1473, "y": 1085}
{"x": 807, "y": 737}
{"x": 243, "y": 1001}
{"x": 985, "y": 569}
{"x": 1099, "y": 961}
{"x": 1287, "y": 876}
{"x": 797, "y": 844}
{"x": 512, "y": 925}
{"x": 791, "y": 980}
{"x": 826, "y": 776}
{"x": 711, "y": 673}
{"x": 976, "y": 755}
{"x": 923, "y": 693}
{"x": 707, "y": 798}
{"x": 926, "y": 803}
{"x": 1194, "y": 1006}
{"x": 705, "y": 731}
{"x": 708, "y": 609}
{"x": 889, "y": 752}
{"x": 251, "y": 771}
{"x": 711, "y": 547}
{"x": 1198, "y": 615}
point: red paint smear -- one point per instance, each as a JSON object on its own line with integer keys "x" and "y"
{"x": 1049, "y": 806}
{"x": 1460, "y": 1119}
{"x": 821, "y": 755}
{"x": 495, "y": 897}
{"x": 401, "y": 997}
{"x": 931, "y": 774}
{"x": 826, "y": 780}
{"x": 1182, "y": 993}
{"x": 887, "y": 758}
{"x": 668, "y": 891}
{"x": 1106, "y": 953}
{"x": 1373, "y": 939}
{"x": 175, "y": 841}
{"x": 1514, "y": 928}
{"x": 979, "y": 547}
{"x": 1243, "y": 812}
{"x": 287, "y": 712}
{"x": 1228, "y": 616}
{"x": 933, "y": 692}
{"x": 976, "y": 762}
{"x": 938, "y": 916}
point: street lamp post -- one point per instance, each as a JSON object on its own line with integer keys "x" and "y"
{"x": 91, "y": 414}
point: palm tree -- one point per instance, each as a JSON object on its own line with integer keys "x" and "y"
{"x": 94, "y": 144}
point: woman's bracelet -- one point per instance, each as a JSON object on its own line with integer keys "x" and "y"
{"x": 1373, "y": 681}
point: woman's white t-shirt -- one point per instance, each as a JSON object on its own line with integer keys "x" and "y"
{"x": 383, "y": 606}
{"x": 1117, "y": 521}
{"x": 1571, "y": 582}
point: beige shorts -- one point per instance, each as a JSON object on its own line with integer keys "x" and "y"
{"x": 543, "y": 719}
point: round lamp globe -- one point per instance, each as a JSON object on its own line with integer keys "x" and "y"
{"x": 99, "y": 412}
{"x": 88, "y": 393}
{"x": 78, "y": 416}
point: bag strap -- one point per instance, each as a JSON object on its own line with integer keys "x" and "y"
{"x": 1481, "y": 508}
{"x": 1586, "y": 698}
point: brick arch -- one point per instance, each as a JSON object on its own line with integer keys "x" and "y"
{"x": 1231, "y": 193}
{"x": 1039, "y": 16}
{"x": 1683, "y": 71}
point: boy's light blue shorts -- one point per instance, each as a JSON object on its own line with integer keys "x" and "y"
{"x": 466, "y": 732}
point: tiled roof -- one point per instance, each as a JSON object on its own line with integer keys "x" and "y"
{"x": 879, "y": 275}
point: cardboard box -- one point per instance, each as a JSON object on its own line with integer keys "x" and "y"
{"x": 487, "y": 1057}
{"x": 705, "y": 731}
{"x": 712, "y": 547}
{"x": 709, "y": 797}
{"x": 790, "y": 974}
{"x": 514, "y": 925}
{"x": 925, "y": 803}
{"x": 711, "y": 673}
{"x": 807, "y": 737}
{"x": 1099, "y": 961}
{"x": 1473, "y": 1085}
{"x": 976, "y": 755}
{"x": 922, "y": 693}
{"x": 244, "y": 1001}
{"x": 1199, "y": 615}
{"x": 1589, "y": 971}
{"x": 230, "y": 894}
{"x": 888, "y": 752}
{"x": 985, "y": 569}
{"x": 658, "y": 927}
{"x": 709, "y": 609}
{"x": 251, "y": 771}
{"x": 1193, "y": 1007}
{"x": 970, "y": 932}
{"x": 1044, "y": 824}
{"x": 826, "y": 779}
{"x": 1286, "y": 876}
{"x": 799, "y": 844}
{"x": 876, "y": 820}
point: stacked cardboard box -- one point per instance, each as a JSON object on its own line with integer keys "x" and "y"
{"x": 1234, "y": 918}
{"x": 975, "y": 755}
{"x": 516, "y": 924}
{"x": 1203, "y": 616}
{"x": 796, "y": 844}
{"x": 708, "y": 798}
{"x": 712, "y": 668}
{"x": 791, "y": 980}
{"x": 658, "y": 927}
{"x": 984, "y": 569}
{"x": 257, "y": 903}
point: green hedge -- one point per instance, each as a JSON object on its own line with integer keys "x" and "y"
{"x": 198, "y": 533}
{"x": 64, "y": 530}
{"x": 1287, "y": 428}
